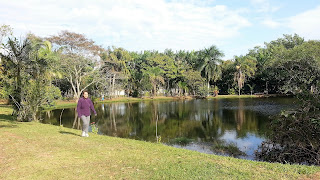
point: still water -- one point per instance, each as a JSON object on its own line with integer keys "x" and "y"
{"x": 231, "y": 127}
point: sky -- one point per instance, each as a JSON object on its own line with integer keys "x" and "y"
{"x": 233, "y": 26}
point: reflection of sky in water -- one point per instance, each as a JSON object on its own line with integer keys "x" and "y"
{"x": 248, "y": 144}
{"x": 195, "y": 146}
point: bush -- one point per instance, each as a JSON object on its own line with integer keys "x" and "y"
{"x": 231, "y": 91}
{"x": 203, "y": 91}
{"x": 296, "y": 135}
{"x": 147, "y": 94}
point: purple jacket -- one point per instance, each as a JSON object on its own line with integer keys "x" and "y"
{"x": 84, "y": 106}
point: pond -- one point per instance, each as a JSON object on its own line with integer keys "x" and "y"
{"x": 231, "y": 127}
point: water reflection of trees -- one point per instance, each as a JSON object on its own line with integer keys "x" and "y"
{"x": 53, "y": 117}
{"x": 204, "y": 120}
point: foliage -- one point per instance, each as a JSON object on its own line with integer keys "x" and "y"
{"x": 194, "y": 80}
{"x": 296, "y": 135}
{"x": 265, "y": 77}
{"x": 209, "y": 63}
{"x": 251, "y": 88}
{"x": 155, "y": 78}
{"x": 116, "y": 67}
{"x": 34, "y": 96}
{"x": 203, "y": 91}
{"x": 26, "y": 69}
{"x": 5, "y": 31}
{"x": 15, "y": 59}
{"x": 231, "y": 91}
{"x": 77, "y": 59}
{"x": 245, "y": 68}
{"x": 298, "y": 69}
{"x": 182, "y": 87}
{"x": 227, "y": 79}
{"x": 94, "y": 128}
{"x": 227, "y": 148}
{"x": 288, "y": 41}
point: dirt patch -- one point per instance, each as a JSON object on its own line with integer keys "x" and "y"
{"x": 311, "y": 177}
{"x": 4, "y": 101}
{"x": 12, "y": 135}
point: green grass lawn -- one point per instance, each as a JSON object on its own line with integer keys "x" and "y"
{"x": 41, "y": 151}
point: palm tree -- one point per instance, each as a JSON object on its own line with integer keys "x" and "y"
{"x": 251, "y": 88}
{"x": 239, "y": 77}
{"x": 15, "y": 57}
{"x": 41, "y": 70}
{"x": 245, "y": 68}
{"x": 210, "y": 64}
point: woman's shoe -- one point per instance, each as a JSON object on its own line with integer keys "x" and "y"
{"x": 87, "y": 135}
{"x": 83, "y": 134}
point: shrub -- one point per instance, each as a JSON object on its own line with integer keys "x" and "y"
{"x": 296, "y": 135}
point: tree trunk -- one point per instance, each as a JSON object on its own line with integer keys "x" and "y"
{"x": 75, "y": 118}
{"x": 113, "y": 81}
{"x": 34, "y": 116}
{"x": 154, "y": 91}
{"x": 18, "y": 86}
{"x": 168, "y": 88}
{"x": 267, "y": 87}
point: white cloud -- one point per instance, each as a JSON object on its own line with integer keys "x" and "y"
{"x": 134, "y": 25}
{"x": 270, "y": 23}
{"x": 264, "y": 6}
{"x": 306, "y": 24}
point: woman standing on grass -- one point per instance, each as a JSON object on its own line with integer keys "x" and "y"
{"x": 83, "y": 108}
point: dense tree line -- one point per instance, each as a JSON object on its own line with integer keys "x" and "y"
{"x": 68, "y": 63}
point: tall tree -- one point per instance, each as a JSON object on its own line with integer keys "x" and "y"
{"x": 38, "y": 89}
{"x": 115, "y": 66}
{"x": 226, "y": 83}
{"x": 265, "y": 56}
{"x": 297, "y": 70}
{"x": 209, "y": 64}
{"x": 5, "y": 31}
{"x": 15, "y": 57}
{"x": 194, "y": 80}
{"x": 245, "y": 68}
{"x": 167, "y": 66}
{"x": 27, "y": 63}
{"x": 78, "y": 59}
{"x": 155, "y": 76}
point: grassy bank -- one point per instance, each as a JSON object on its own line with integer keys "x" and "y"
{"x": 71, "y": 103}
{"x": 42, "y": 151}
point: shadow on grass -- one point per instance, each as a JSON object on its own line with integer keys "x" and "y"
{"x": 5, "y": 105}
{"x": 8, "y": 126}
{"x": 5, "y": 117}
{"x": 71, "y": 133}
{"x": 9, "y": 119}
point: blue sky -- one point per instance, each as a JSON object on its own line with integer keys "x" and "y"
{"x": 234, "y": 26}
